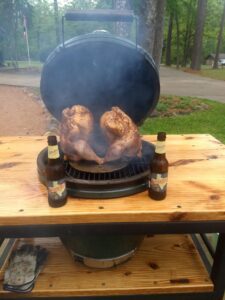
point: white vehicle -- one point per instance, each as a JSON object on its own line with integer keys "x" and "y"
{"x": 221, "y": 62}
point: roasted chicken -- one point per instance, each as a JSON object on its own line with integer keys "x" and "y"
{"x": 122, "y": 135}
{"x": 75, "y": 132}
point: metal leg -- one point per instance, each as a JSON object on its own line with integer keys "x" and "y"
{"x": 218, "y": 269}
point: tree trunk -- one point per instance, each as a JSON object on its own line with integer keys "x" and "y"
{"x": 56, "y": 17}
{"x": 197, "y": 49}
{"x": 188, "y": 33}
{"x": 150, "y": 31}
{"x": 158, "y": 36}
{"x": 219, "y": 40}
{"x": 177, "y": 40}
{"x": 169, "y": 40}
{"x": 122, "y": 28}
{"x": 15, "y": 38}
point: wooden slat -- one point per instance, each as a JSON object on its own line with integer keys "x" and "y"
{"x": 195, "y": 189}
{"x": 163, "y": 264}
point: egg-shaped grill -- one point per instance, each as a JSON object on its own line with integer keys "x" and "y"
{"x": 99, "y": 71}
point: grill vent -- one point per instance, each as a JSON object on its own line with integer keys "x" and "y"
{"x": 134, "y": 168}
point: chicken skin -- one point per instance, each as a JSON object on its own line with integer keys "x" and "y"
{"x": 75, "y": 132}
{"x": 122, "y": 135}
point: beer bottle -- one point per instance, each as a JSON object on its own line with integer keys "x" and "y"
{"x": 159, "y": 170}
{"x": 57, "y": 194}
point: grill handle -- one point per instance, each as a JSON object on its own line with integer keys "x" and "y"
{"x": 102, "y": 15}
{"x": 109, "y": 15}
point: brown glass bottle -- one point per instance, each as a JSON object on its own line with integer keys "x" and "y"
{"x": 159, "y": 170}
{"x": 57, "y": 194}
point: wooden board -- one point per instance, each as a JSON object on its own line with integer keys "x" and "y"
{"x": 163, "y": 264}
{"x": 196, "y": 187}
{"x": 5, "y": 251}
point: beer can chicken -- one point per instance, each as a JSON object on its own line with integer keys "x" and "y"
{"x": 122, "y": 135}
{"x": 75, "y": 132}
{"x": 119, "y": 131}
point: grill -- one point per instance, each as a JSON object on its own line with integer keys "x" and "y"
{"x": 100, "y": 70}
{"x": 126, "y": 181}
{"x": 136, "y": 167}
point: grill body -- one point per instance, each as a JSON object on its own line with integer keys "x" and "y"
{"x": 99, "y": 70}
{"x": 127, "y": 181}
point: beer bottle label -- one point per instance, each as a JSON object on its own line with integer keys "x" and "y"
{"x": 57, "y": 189}
{"x": 53, "y": 152}
{"x": 158, "y": 182}
{"x": 160, "y": 147}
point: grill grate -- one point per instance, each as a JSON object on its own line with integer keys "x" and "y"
{"x": 135, "y": 167}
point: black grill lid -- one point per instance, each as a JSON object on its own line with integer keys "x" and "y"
{"x": 99, "y": 70}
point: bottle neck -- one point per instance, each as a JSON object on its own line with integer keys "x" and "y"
{"x": 160, "y": 148}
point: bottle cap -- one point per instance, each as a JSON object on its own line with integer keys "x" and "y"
{"x": 52, "y": 140}
{"x": 161, "y": 136}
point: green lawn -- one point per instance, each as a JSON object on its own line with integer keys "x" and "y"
{"x": 210, "y": 121}
{"x": 216, "y": 74}
{"x": 24, "y": 64}
{"x": 207, "y": 71}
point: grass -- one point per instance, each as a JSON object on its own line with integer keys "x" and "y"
{"x": 214, "y": 73}
{"x": 174, "y": 105}
{"x": 207, "y": 71}
{"x": 211, "y": 120}
{"x": 23, "y": 65}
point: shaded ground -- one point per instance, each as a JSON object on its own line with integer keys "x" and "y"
{"x": 21, "y": 113}
{"x": 20, "y": 78}
{"x": 175, "y": 82}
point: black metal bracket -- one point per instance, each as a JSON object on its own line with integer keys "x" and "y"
{"x": 100, "y": 15}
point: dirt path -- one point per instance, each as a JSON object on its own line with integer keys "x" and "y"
{"x": 21, "y": 112}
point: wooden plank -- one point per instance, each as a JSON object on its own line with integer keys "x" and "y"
{"x": 195, "y": 189}
{"x": 163, "y": 264}
{"x": 5, "y": 251}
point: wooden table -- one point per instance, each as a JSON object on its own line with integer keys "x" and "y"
{"x": 195, "y": 204}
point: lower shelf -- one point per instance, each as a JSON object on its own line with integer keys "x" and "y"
{"x": 163, "y": 264}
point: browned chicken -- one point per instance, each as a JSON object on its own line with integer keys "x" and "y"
{"x": 75, "y": 131}
{"x": 122, "y": 135}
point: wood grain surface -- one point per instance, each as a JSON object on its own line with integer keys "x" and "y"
{"x": 163, "y": 264}
{"x": 196, "y": 187}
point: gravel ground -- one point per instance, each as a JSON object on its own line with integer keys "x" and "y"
{"x": 22, "y": 112}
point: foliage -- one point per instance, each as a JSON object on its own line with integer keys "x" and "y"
{"x": 186, "y": 11}
{"x": 41, "y": 25}
{"x": 12, "y": 14}
{"x": 210, "y": 121}
{"x": 42, "y": 35}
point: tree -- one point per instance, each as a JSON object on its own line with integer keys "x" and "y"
{"x": 151, "y": 21}
{"x": 219, "y": 40}
{"x": 121, "y": 28}
{"x": 169, "y": 38}
{"x": 177, "y": 37}
{"x": 197, "y": 49}
{"x": 12, "y": 14}
{"x": 158, "y": 34}
{"x": 56, "y": 17}
{"x": 187, "y": 36}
